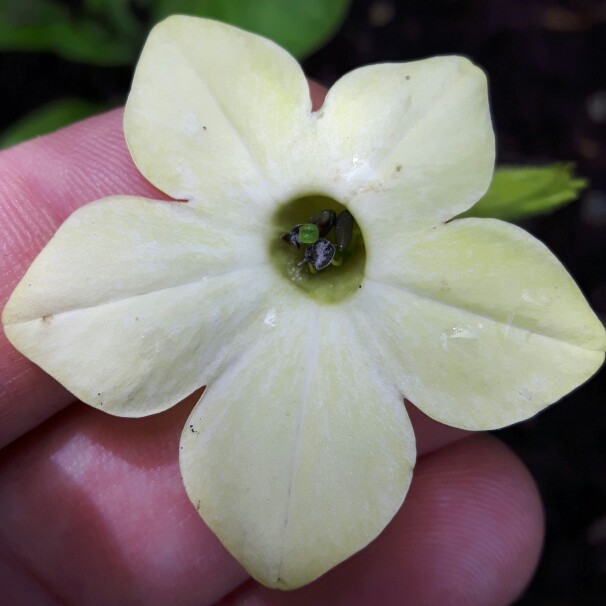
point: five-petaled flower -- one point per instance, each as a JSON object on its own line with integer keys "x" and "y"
{"x": 300, "y": 450}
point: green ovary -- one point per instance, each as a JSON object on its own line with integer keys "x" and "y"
{"x": 338, "y": 281}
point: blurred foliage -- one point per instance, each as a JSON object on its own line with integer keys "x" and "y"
{"x": 48, "y": 118}
{"x": 112, "y": 32}
{"x": 103, "y": 32}
{"x": 520, "y": 192}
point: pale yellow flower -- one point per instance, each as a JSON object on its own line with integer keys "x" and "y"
{"x": 300, "y": 450}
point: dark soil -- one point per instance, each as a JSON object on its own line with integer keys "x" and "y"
{"x": 546, "y": 60}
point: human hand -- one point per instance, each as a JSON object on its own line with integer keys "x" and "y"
{"x": 92, "y": 507}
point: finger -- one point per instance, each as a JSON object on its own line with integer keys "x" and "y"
{"x": 89, "y": 497}
{"x": 431, "y": 435}
{"x": 88, "y": 479}
{"x": 46, "y": 179}
{"x": 41, "y": 183}
{"x": 469, "y": 532}
{"x": 317, "y": 93}
{"x": 93, "y": 509}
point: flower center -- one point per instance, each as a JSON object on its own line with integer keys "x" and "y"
{"x": 317, "y": 245}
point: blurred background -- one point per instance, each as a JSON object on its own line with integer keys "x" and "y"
{"x": 61, "y": 60}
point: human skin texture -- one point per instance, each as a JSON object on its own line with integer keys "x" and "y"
{"x": 92, "y": 506}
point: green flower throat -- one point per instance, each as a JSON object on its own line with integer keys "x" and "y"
{"x": 320, "y": 248}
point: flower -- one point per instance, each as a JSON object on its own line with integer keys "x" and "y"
{"x": 300, "y": 450}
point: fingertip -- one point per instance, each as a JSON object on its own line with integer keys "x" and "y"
{"x": 431, "y": 435}
{"x": 42, "y": 181}
{"x": 317, "y": 93}
{"x": 474, "y": 511}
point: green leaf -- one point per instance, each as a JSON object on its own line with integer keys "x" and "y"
{"x": 521, "y": 192}
{"x": 300, "y": 27}
{"x": 119, "y": 16}
{"x": 47, "y": 119}
{"x": 45, "y": 25}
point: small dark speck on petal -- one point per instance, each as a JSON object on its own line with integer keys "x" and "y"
{"x": 398, "y": 168}
{"x": 408, "y": 77}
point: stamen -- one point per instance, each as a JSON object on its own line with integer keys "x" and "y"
{"x": 309, "y": 233}
{"x": 320, "y": 251}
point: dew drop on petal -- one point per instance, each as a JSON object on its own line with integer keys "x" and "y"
{"x": 271, "y": 318}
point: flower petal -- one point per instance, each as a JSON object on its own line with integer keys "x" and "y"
{"x": 136, "y": 303}
{"x": 213, "y": 112}
{"x": 413, "y": 141}
{"x": 291, "y": 463}
{"x": 480, "y": 323}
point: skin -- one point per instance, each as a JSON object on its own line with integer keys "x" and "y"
{"x": 92, "y": 506}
